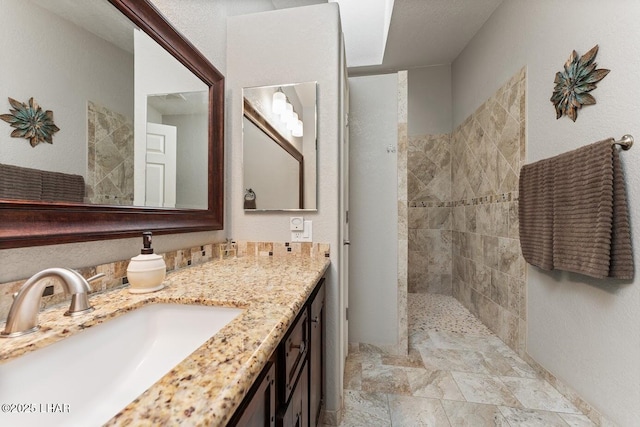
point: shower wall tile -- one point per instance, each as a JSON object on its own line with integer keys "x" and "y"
{"x": 110, "y": 154}
{"x": 439, "y": 218}
{"x": 488, "y": 271}
{"x": 418, "y": 218}
{"x": 471, "y": 223}
{"x": 459, "y": 219}
{"x": 430, "y": 214}
{"x": 429, "y": 168}
{"x": 514, "y": 222}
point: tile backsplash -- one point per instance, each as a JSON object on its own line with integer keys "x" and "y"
{"x": 116, "y": 272}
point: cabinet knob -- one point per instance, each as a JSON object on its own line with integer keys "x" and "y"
{"x": 315, "y": 320}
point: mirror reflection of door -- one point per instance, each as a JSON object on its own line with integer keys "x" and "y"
{"x": 160, "y": 182}
{"x": 178, "y": 98}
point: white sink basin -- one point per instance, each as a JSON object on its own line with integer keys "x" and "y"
{"x": 94, "y": 374}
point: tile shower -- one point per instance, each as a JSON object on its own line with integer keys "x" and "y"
{"x": 463, "y": 213}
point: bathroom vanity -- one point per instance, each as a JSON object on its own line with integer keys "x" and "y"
{"x": 288, "y": 391}
{"x": 268, "y": 357}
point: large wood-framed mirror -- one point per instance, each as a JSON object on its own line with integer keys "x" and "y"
{"x": 31, "y": 222}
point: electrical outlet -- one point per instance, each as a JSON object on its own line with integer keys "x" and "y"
{"x": 303, "y": 235}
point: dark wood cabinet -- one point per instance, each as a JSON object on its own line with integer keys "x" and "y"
{"x": 293, "y": 353}
{"x": 289, "y": 390}
{"x": 259, "y": 408}
{"x": 296, "y": 413}
{"x": 316, "y": 356}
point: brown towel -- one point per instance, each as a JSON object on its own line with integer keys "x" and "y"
{"x": 62, "y": 187}
{"x": 21, "y": 183}
{"x": 574, "y": 215}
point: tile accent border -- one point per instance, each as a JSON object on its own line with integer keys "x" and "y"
{"x": 116, "y": 272}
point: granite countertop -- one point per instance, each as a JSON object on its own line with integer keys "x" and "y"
{"x": 207, "y": 386}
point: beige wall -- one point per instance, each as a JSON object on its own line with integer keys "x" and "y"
{"x": 373, "y": 127}
{"x": 430, "y": 100}
{"x": 36, "y": 64}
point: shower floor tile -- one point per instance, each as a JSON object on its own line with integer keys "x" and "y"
{"x": 434, "y": 312}
{"x": 457, "y": 374}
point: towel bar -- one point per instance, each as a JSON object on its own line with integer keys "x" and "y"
{"x": 625, "y": 142}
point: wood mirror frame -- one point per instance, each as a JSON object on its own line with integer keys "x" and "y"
{"x": 29, "y": 223}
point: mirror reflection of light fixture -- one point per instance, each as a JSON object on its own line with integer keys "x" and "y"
{"x": 297, "y": 130}
{"x": 293, "y": 122}
{"x": 281, "y": 106}
{"x": 287, "y": 113}
{"x": 279, "y": 101}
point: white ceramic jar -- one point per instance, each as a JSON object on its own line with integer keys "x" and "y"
{"x": 147, "y": 271}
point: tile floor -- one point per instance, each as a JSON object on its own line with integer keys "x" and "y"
{"x": 457, "y": 373}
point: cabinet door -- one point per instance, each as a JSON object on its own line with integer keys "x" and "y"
{"x": 316, "y": 357}
{"x": 297, "y": 412}
{"x": 260, "y": 409}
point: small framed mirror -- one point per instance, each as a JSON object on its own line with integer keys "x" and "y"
{"x": 279, "y": 147}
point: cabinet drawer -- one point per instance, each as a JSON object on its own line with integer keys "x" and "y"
{"x": 295, "y": 350}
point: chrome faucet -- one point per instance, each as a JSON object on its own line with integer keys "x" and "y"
{"x": 23, "y": 315}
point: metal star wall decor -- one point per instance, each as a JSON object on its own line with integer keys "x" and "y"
{"x": 573, "y": 84}
{"x": 31, "y": 122}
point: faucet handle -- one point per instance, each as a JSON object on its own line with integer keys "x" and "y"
{"x": 80, "y": 300}
{"x": 96, "y": 277}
